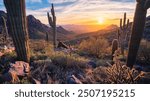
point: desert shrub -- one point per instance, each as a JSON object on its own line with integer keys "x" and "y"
{"x": 67, "y": 61}
{"x": 103, "y": 62}
{"x": 8, "y": 57}
{"x": 94, "y": 46}
{"x": 38, "y": 46}
{"x": 40, "y": 50}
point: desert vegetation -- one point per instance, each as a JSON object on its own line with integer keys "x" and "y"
{"x": 121, "y": 58}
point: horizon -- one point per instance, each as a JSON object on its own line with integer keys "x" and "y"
{"x": 81, "y": 12}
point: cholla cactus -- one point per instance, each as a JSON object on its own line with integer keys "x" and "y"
{"x": 137, "y": 30}
{"x": 52, "y": 23}
{"x": 16, "y": 14}
{"x": 114, "y": 47}
{"x": 123, "y": 28}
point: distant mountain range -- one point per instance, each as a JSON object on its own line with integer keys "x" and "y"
{"x": 79, "y": 29}
{"x": 109, "y": 33}
{"x": 38, "y": 30}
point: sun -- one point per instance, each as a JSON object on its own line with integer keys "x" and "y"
{"x": 100, "y": 20}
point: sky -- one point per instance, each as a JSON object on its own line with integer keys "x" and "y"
{"x": 81, "y": 12}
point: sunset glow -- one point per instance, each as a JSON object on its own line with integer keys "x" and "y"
{"x": 101, "y": 20}
{"x": 85, "y": 12}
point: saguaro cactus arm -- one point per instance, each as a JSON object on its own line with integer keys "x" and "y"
{"x": 124, "y": 26}
{"x": 50, "y": 19}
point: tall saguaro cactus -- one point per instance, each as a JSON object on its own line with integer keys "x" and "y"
{"x": 137, "y": 30}
{"x": 5, "y": 28}
{"x": 124, "y": 25}
{"x": 52, "y": 23}
{"x": 18, "y": 27}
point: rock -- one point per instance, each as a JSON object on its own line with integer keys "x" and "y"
{"x": 72, "y": 79}
{"x": 44, "y": 78}
{"x": 76, "y": 79}
{"x": 62, "y": 45}
{"x": 20, "y": 68}
{"x": 7, "y": 77}
{"x": 92, "y": 64}
{"x": 138, "y": 68}
{"x": 1, "y": 54}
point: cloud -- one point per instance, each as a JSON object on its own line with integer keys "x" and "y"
{"x": 33, "y": 1}
{"x": 61, "y": 1}
{"x": 78, "y": 11}
{"x": 82, "y": 10}
{"x": 123, "y": 0}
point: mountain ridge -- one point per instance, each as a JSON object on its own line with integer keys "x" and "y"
{"x": 38, "y": 30}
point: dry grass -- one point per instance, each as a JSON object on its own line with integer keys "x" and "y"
{"x": 54, "y": 67}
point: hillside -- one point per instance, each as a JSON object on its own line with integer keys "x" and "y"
{"x": 110, "y": 33}
{"x": 38, "y": 30}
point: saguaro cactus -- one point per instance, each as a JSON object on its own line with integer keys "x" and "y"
{"x": 114, "y": 47}
{"x": 137, "y": 30}
{"x": 18, "y": 27}
{"x": 5, "y": 29}
{"x": 118, "y": 37}
{"x": 123, "y": 27}
{"x": 52, "y": 23}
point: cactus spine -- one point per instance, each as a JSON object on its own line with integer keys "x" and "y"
{"x": 5, "y": 29}
{"x": 123, "y": 27}
{"x": 137, "y": 30}
{"x": 115, "y": 45}
{"x": 52, "y": 23}
{"x": 16, "y": 14}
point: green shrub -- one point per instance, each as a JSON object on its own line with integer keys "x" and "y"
{"x": 95, "y": 46}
